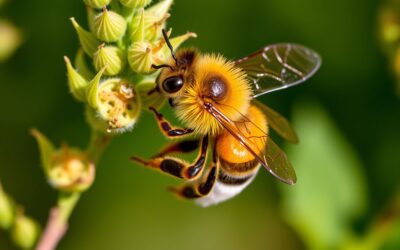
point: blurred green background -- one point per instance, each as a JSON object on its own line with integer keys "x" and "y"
{"x": 347, "y": 117}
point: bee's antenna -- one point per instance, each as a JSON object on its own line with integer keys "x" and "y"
{"x": 162, "y": 66}
{"x": 169, "y": 45}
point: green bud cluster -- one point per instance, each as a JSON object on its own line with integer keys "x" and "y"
{"x": 24, "y": 230}
{"x": 114, "y": 64}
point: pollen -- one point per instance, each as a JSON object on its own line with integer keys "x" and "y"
{"x": 119, "y": 106}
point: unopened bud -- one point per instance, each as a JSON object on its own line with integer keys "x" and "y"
{"x": 25, "y": 231}
{"x": 6, "y": 210}
{"x": 142, "y": 55}
{"x": 153, "y": 21}
{"x": 109, "y": 26}
{"x": 77, "y": 83}
{"x": 389, "y": 22}
{"x": 97, "y": 3}
{"x": 88, "y": 41}
{"x": 135, "y": 4}
{"x": 92, "y": 91}
{"x": 67, "y": 169}
{"x": 10, "y": 39}
{"x": 110, "y": 57}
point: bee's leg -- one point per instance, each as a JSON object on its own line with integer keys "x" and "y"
{"x": 175, "y": 166}
{"x": 201, "y": 187}
{"x": 166, "y": 127}
{"x": 187, "y": 146}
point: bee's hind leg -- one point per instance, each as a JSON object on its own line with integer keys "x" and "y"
{"x": 177, "y": 167}
{"x": 186, "y": 146}
{"x": 199, "y": 188}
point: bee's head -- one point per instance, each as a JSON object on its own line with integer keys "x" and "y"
{"x": 177, "y": 73}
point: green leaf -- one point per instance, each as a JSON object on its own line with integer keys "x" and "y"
{"x": 331, "y": 189}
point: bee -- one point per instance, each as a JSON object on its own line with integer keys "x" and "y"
{"x": 215, "y": 100}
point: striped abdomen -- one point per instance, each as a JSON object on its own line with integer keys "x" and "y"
{"x": 237, "y": 166}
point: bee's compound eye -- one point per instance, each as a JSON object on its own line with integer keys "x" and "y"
{"x": 173, "y": 84}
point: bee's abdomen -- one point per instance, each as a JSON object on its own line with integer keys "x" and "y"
{"x": 238, "y": 169}
{"x": 227, "y": 186}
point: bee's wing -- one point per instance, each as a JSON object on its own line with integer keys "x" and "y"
{"x": 279, "y": 66}
{"x": 271, "y": 157}
{"x": 279, "y": 123}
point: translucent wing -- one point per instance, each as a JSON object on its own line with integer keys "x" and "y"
{"x": 278, "y": 123}
{"x": 271, "y": 156}
{"x": 279, "y": 66}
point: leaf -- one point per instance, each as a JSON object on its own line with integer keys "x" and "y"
{"x": 331, "y": 186}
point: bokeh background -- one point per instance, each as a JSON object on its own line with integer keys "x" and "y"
{"x": 347, "y": 117}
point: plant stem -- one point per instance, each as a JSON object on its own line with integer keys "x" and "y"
{"x": 57, "y": 223}
{"x": 97, "y": 145}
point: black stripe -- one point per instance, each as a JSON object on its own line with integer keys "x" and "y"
{"x": 232, "y": 180}
{"x": 239, "y": 167}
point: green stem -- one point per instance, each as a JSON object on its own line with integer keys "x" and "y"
{"x": 66, "y": 204}
{"x": 97, "y": 144}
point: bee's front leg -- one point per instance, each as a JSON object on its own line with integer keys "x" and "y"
{"x": 166, "y": 127}
{"x": 177, "y": 167}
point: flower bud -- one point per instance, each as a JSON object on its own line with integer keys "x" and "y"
{"x": 110, "y": 57}
{"x": 10, "y": 39}
{"x": 97, "y": 4}
{"x": 25, "y": 231}
{"x": 6, "y": 210}
{"x": 389, "y": 22}
{"x": 135, "y": 4}
{"x": 142, "y": 55}
{"x": 160, "y": 9}
{"x": 109, "y": 26}
{"x": 88, "y": 41}
{"x": 77, "y": 83}
{"x": 67, "y": 169}
{"x": 138, "y": 34}
{"x": 154, "y": 20}
{"x": 92, "y": 91}
{"x": 118, "y": 105}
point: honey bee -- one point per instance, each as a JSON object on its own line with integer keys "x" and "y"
{"x": 214, "y": 99}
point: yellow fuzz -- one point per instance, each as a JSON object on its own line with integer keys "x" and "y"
{"x": 235, "y": 104}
